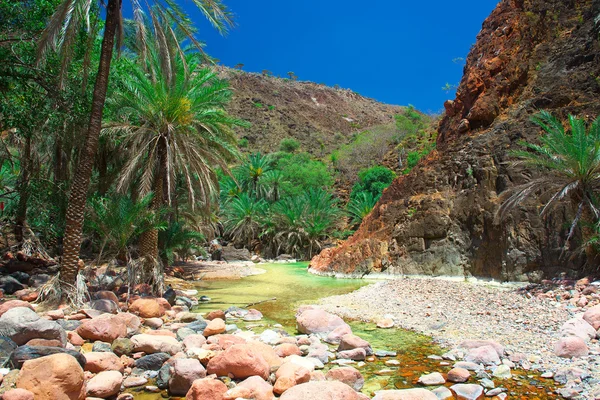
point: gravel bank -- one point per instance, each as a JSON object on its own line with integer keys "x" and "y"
{"x": 452, "y": 311}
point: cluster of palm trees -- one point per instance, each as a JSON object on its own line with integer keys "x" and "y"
{"x": 167, "y": 109}
{"x": 259, "y": 214}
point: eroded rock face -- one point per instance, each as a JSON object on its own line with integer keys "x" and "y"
{"x": 440, "y": 218}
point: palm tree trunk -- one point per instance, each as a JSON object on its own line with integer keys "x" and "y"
{"x": 81, "y": 181}
{"x": 21, "y": 216}
{"x": 148, "y": 244}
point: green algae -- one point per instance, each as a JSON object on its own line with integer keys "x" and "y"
{"x": 291, "y": 286}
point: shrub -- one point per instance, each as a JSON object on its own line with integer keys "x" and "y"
{"x": 303, "y": 173}
{"x": 373, "y": 181}
{"x": 289, "y": 145}
{"x": 243, "y": 143}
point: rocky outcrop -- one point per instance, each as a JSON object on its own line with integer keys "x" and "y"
{"x": 440, "y": 219}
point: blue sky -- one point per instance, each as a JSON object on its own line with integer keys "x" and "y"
{"x": 395, "y": 51}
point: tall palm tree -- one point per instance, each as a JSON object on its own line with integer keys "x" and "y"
{"x": 176, "y": 130}
{"x": 570, "y": 162}
{"x": 61, "y": 31}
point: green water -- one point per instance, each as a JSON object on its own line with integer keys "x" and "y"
{"x": 291, "y": 286}
{"x": 289, "y": 283}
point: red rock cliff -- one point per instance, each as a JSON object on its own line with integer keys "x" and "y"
{"x": 439, "y": 219}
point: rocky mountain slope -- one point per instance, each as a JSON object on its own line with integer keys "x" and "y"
{"x": 440, "y": 219}
{"x": 320, "y": 117}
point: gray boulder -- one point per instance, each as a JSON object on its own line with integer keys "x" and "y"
{"x": 22, "y": 324}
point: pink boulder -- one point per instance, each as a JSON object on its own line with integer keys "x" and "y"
{"x": 17, "y": 394}
{"x": 289, "y": 375}
{"x": 241, "y": 361}
{"x": 55, "y": 377}
{"x": 147, "y": 308}
{"x": 571, "y": 346}
{"x": 185, "y": 371}
{"x": 206, "y": 389}
{"x": 325, "y": 390}
{"x": 105, "y": 328}
{"x": 405, "y": 394}
{"x": 318, "y": 322}
{"x": 97, "y": 361}
{"x": 348, "y": 375}
{"x": 486, "y": 355}
{"x": 105, "y": 384}
{"x": 592, "y": 316}
{"x": 7, "y": 305}
{"x": 214, "y": 327}
{"x": 351, "y": 342}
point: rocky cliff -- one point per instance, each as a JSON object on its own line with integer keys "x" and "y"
{"x": 321, "y": 118}
{"x": 439, "y": 219}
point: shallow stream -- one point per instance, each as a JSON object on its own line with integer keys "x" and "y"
{"x": 277, "y": 294}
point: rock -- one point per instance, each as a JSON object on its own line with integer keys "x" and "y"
{"x": 131, "y": 322}
{"x": 185, "y": 372}
{"x": 267, "y": 352}
{"x": 385, "y": 323}
{"x": 23, "y": 324}
{"x": 7, "y": 305}
{"x": 147, "y": 308}
{"x": 193, "y": 341}
{"x": 169, "y": 295}
{"x": 39, "y": 280}
{"x": 502, "y": 372}
{"x": 458, "y": 375}
{"x": 9, "y": 285}
{"x": 289, "y": 375}
{"x": 348, "y": 375}
{"x": 253, "y": 315}
{"x": 562, "y": 376}
{"x": 155, "y": 344}
{"x": 102, "y": 361}
{"x": 405, "y": 394}
{"x": 101, "y": 347}
{"x": 214, "y": 327}
{"x": 215, "y": 314}
{"x": 106, "y": 295}
{"x": 55, "y": 314}
{"x": 443, "y": 393}
{"x": 469, "y": 366}
{"x": 7, "y": 346}
{"x": 351, "y": 342}
{"x": 105, "y": 328}
{"x": 68, "y": 325}
{"x": 55, "y": 377}
{"x": 134, "y": 381}
{"x": 318, "y": 322}
{"x": 257, "y": 388}
{"x": 473, "y": 344}
{"x": 592, "y": 317}
{"x": 571, "y": 346}
{"x": 18, "y": 394}
{"x": 486, "y": 355}
{"x": 241, "y": 361}
{"x": 153, "y": 323}
{"x": 105, "y": 384}
{"x": 182, "y": 333}
{"x": 578, "y": 327}
{"x": 321, "y": 390}
{"x": 230, "y": 253}
{"x": 354, "y": 354}
{"x": 152, "y": 362}
{"x": 335, "y": 336}
{"x": 163, "y": 377}
{"x": 122, "y": 346}
{"x": 467, "y": 391}
{"x": 25, "y": 353}
{"x": 105, "y": 306}
{"x": 287, "y": 349}
{"x": 206, "y": 389}
{"x": 435, "y": 378}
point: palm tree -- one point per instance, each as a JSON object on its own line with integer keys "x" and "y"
{"x": 360, "y": 206}
{"x": 570, "y": 166}
{"x": 253, "y": 171}
{"x": 175, "y": 129}
{"x": 62, "y": 29}
{"x": 242, "y": 218}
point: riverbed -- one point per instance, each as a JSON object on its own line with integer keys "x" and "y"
{"x": 283, "y": 287}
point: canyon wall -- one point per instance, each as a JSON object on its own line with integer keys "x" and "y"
{"x": 440, "y": 219}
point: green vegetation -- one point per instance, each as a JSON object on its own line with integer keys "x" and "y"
{"x": 570, "y": 164}
{"x": 289, "y": 145}
{"x": 373, "y": 181}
